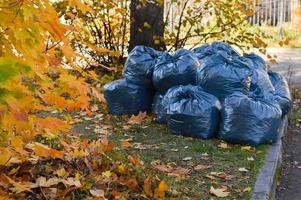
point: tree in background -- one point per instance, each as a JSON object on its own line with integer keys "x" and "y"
{"x": 147, "y": 25}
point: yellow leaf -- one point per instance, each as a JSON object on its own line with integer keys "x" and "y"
{"x": 247, "y": 189}
{"x": 5, "y": 156}
{"x": 81, "y": 6}
{"x": 223, "y": 145}
{"x": 160, "y": 191}
{"x": 78, "y": 153}
{"x": 246, "y": 148}
{"x": 147, "y": 25}
{"x": 61, "y": 172}
{"x": 77, "y": 176}
{"x": 17, "y": 142}
{"x": 14, "y": 170}
{"x": 219, "y": 192}
{"x": 19, "y": 186}
{"x": 107, "y": 174}
{"x": 122, "y": 169}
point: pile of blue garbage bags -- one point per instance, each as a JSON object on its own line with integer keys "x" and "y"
{"x": 211, "y": 91}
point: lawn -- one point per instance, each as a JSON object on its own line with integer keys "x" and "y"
{"x": 189, "y": 166}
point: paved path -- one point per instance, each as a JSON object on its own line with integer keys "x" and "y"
{"x": 289, "y": 64}
{"x": 289, "y": 188}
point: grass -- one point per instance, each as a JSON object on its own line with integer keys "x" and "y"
{"x": 153, "y": 142}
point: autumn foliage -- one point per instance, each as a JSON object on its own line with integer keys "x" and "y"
{"x": 39, "y": 71}
{"x": 45, "y": 51}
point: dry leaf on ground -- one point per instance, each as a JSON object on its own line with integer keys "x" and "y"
{"x": 137, "y": 119}
{"x": 219, "y": 192}
{"x": 202, "y": 167}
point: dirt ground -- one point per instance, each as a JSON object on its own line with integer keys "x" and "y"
{"x": 290, "y": 181}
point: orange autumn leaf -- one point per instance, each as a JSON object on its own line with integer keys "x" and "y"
{"x": 52, "y": 124}
{"x": 160, "y": 191}
{"x": 147, "y": 187}
{"x": 137, "y": 119}
{"x": 45, "y": 151}
{"x": 53, "y": 99}
{"x": 132, "y": 183}
{"x": 126, "y": 144}
{"x": 135, "y": 159}
{"x": 19, "y": 186}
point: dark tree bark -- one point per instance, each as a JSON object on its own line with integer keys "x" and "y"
{"x": 147, "y": 26}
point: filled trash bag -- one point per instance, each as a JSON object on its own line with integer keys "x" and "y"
{"x": 222, "y": 46}
{"x": 206, "y": 50}
{"x": 249, "y": 121}
{"x": 159, "y": 108}
{"x": 261, "y": 84}
{"x": 140, "y": 64}
{"x": 282, "y": 92}
{"x": 203, "y": 51}
{"x": 177, "y": 69}
{"x": 255, "y": 61}
{"x": 126, "y": 98}
{"x": 192, "y": 112}
{"x": 223, "y": 74}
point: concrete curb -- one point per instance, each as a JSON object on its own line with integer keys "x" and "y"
{"x": 266, "y": 181}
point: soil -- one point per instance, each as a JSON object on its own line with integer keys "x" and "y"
{"x": 289, "y": 187}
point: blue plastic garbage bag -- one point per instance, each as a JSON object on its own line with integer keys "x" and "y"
{"x": 255, "y": 61}
{"x": 140, "y": 64}
{"x": 206, "y": 50}
{"x": 261, "y": 84}
{"x": 222, "y": 46}
{"x": 203, "y": 51}
{"x": 159, "y": 108}
{"x": 177, "y": 69}
{"x": 192, "y": 112}
{"x": 249, "y": 121}
{"x": 126, "y": 98}
{"x": 223, "y": 74}
{"x": 282, "y": 92}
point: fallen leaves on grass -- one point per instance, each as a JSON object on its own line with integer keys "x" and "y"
{"x": 160, "y": 191}
{"x": 242, "y": 169}
{"x": 45, "y": 151}
{"x": 170, "y": 169}
{"x": 126, "y": 144}
{"x": 222, "y": 175}
{"x": 219, "y": 192}
{"x": 201, "y": 167}
{"x": 187, "y": 158}
{"x": 223, "y": 145}
{"x": 247, "y": 148}
{"x": 137, "y": 119}
{"x": 247, "y": 189}
{"x": 97, "y": 193}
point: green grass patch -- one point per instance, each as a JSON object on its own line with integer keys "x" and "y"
{"x": 153, "y": 142}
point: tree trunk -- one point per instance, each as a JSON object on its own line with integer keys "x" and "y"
{"x": 147, "y": 26}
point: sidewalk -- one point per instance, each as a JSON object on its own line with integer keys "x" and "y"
{"x": 289, "y": 64}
